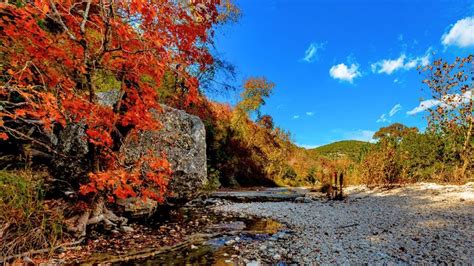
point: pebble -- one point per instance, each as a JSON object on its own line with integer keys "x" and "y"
{"x": 230, "y": 242}
{"x": 416, "y": 224}
{"x": 127, "y": 229}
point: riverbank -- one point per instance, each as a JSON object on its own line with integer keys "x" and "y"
{"x": 420, "y": 223}
{"x": 410, "y": 224}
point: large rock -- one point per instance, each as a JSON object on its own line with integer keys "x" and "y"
{"x": 70, "y": 164}
{"x": 183, "y": 139}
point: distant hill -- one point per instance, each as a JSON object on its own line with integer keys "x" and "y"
{"x": 349, "y": 148}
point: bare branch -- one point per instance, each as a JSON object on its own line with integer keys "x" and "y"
{"x": 84, "y": 18}
{"x": 24, "y": 136}
{"x": 61, "y": 22}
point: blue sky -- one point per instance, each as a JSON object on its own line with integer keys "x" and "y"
{"x": 343, "y": 69}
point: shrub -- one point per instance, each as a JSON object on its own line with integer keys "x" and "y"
{"x": 381, "y": 166}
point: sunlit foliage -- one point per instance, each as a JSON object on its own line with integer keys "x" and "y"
{"x": 56, "y": 56}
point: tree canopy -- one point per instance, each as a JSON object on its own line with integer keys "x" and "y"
{"x": 56, "y": 54}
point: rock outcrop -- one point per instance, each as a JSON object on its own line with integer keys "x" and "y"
{"x": 183, "y": 139}
{"x": 70, "y": 163}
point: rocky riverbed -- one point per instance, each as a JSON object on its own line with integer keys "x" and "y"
{"x": 421, "y": 223}
{"x": 418, "y": 223}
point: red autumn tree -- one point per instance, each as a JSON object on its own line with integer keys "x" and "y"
{"x": 56, "y": 56}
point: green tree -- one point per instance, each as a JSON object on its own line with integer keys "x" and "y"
{"x": 256, "y": 90}
{"x": 451, "y": 113}
{"x": 394, "y": 133}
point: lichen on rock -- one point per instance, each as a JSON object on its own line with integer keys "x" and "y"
{"x": 182, "y": 139}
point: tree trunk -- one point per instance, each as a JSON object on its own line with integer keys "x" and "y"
{"x": 98, "y": 214}
{"x": 465, "y": 150}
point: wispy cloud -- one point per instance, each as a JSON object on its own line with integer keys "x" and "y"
{"x": 453, "y": 99}
{"x": 389, "y": 66}
{"x": 296, "y": 116}
{"x": 385, "y": 118}
{"x": 309, "y": 113}
{"x": 424, "y": 105}
{"x": 311, "y": 53}
{"x": 461, "y": 34}
{"x": 343, "y": 72}
{"x": 395, "y": 110}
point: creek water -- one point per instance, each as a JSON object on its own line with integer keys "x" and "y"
{"x": 215, "y": 251}
{"x": 220, "y": 249}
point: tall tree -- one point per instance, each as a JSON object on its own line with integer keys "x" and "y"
{"x": 255, "y": 91}
{"x": 451, "y": 109}
{"x": 56, "y": 54}
{"x": 394, "y": 133}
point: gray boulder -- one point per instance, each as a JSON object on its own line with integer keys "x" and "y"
{"x": 183, "y": 139}
{"x": 70, "y": 163}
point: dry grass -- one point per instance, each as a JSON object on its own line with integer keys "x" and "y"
{"x": 27, "y": 221}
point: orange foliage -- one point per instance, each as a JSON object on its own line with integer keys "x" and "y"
{"x": 52, "y": 50}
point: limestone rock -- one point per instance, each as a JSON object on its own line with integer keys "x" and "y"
{"x": 136, "y": 207}
{"x": 71, "y": 162}
{"x": 183, "y": 139}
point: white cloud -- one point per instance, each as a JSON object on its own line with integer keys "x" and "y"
{"x": 296, "y": 116}
{"x": 395, "y": 109}
{"x": 461, "y": 34}
{"x": 454, "y": 99}
{"x": 424, "y": 105}
{"x": 389, "y": 66}
{"x": 311, "y": 53}
{"x": 345, "y": 73}
{"x": 362, "y": 135}
{"x": 396, "y": 80}
{"x": 383, "y": 119}
{"x": 309, "y": 113}
{"x": 418, "y": 61}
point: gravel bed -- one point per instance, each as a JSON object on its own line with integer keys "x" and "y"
{"x": 421, "y": 223}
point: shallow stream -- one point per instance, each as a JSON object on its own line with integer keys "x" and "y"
{"x": 217, "y": 243}
{"x": 216, "y": 251}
